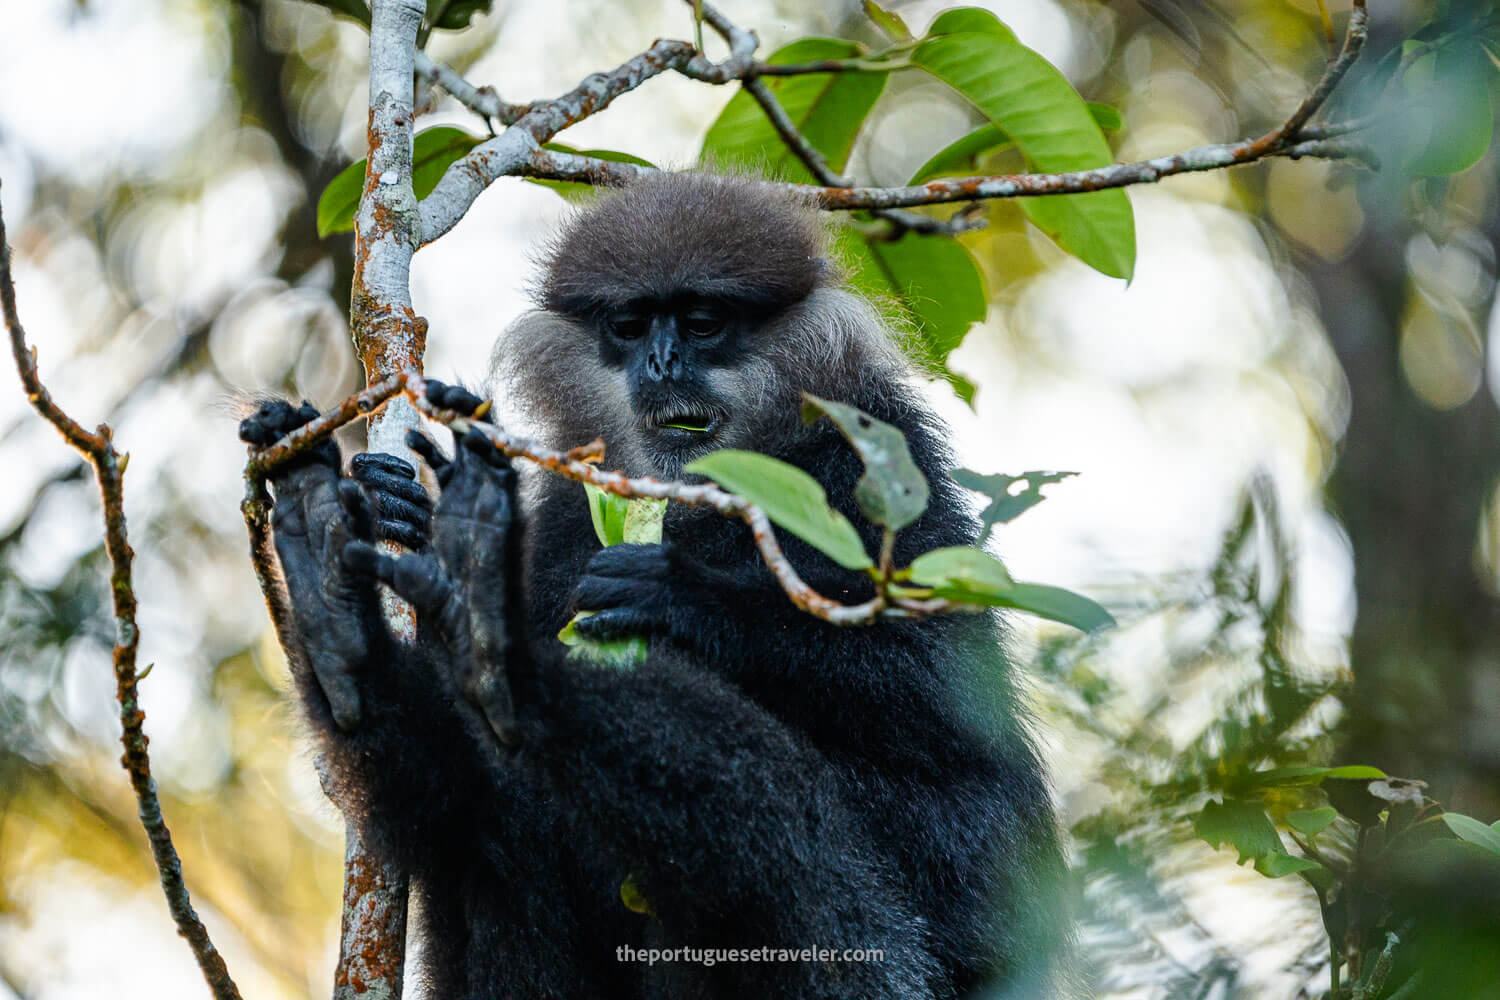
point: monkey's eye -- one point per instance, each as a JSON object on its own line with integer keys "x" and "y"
{"x": 702, "y": 322}
{"x": 629, "y": 326}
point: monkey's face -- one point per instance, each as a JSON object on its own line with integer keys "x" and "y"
{"x": 678, "y": 359}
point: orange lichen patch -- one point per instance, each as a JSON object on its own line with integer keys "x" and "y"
{"x": 373, "y": 931}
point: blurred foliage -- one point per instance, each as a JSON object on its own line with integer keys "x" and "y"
{"x": 150, "y": 307}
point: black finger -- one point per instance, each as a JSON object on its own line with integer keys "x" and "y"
{"x": 366, "y": 560}
{"x": 452, "y": 397}
{"x": 357, "y": 508}
{"x": 612, "y": 623}
{"x": 401, "y": 533}
{"x": 402, "y": 492}
{"x": 424, "y": 446}
{"x": 393, "y": 508}
{"x": 631, "y": 561}
{"x": 477, "y": 443}
{"x": 375, "y": 463}
{"x": 597, "y": 593}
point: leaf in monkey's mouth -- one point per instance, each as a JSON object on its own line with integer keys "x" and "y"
{"x": 692, "y": 423}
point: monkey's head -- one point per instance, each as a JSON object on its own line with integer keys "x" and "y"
{"x": 684, "y": 314}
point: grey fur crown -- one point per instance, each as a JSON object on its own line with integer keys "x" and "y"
{"x": 717, "y": 236}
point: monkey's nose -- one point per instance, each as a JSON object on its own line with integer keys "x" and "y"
{"x": 664, "y": 360}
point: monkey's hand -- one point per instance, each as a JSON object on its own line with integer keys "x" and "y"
{"x": 461, "y": 585}
{"x": 644, "y": 590}
{"x": 313, "y": 519}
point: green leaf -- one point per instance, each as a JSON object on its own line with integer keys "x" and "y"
{"x": 1006, "y": 506}
{"x": 455, "y": 15}
{"x": 1449, "y": 122}
{"x": 617, "y": 521}
{"x": 355, "y": 10}
{"x": 962, "y": 155}
{"x": 960, "y": 573}
{"x": 790, "y": 497}
{"x": 931, "y": 278}
{"x": 620, "y": 521}
{"x": 1469, "y": 829}
{"x": 1243, "y": 826}
{"x": 1023, "y": 94}
{"x": 972, "y": 576}
{"x": 892, "y": 492}
{"x": 966, "y": 19}
{"x": 827, "y": 108}
{"x": 1058, "y": 605}
{"x": 1313, "y": 775}
{"x": 888, "y": 21}
{"x": 607, "y": 512}
{"x": 1279, "y": 863}
{"x": 578, "y": 190}
{"x": 633, "y": 898}
{"x": 1106, "y": 116}
{"x": 617, "y": 654}
{"x": 1311, "y": 821}
{"x": 433, "y": 151}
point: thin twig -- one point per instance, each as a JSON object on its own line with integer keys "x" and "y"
{"x": 483, "y": 101}
{"x": 109, "y": 469}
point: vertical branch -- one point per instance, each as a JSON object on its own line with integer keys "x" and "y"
{"x": 390, "y": 339}
{"x": 109, "y": 469}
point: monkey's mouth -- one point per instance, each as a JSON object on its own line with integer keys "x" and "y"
{"x": 687, "y": 423}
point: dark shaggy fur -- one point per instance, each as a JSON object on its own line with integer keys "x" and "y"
{"x": 764, "y": 778}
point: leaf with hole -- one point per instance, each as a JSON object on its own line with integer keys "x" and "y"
{"x": 827, "y": 108}
{"x": 1034, "y": 104}
{"x": 434, "y": 150}
{"x": 1006, "y": 504}
{"x": 791, "y": 498}
{"x": 892, "y": 492}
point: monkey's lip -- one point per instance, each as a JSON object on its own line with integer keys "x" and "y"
{"x": 700, "y": 424}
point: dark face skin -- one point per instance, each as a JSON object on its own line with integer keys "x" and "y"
{"x": 669, "y": 352}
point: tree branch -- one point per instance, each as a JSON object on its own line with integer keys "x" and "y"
{"x": 521, "y": 155}
{"x": 109, "y": 469}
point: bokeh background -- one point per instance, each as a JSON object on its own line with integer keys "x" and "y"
{"x": 1285, "y": 429}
